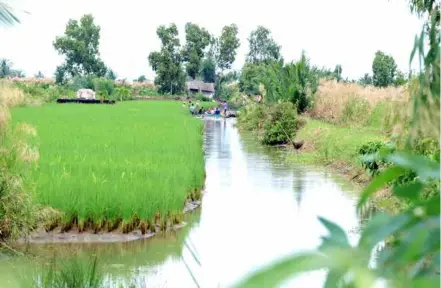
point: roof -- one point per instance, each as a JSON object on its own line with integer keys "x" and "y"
{"x": 200, "y": 85}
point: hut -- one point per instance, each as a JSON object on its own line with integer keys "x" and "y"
{"x": 196, "y": 86}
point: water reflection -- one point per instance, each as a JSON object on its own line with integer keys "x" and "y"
{"x": 257, "y": 208}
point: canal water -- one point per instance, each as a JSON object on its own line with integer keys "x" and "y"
{"x": 257, "y": 207}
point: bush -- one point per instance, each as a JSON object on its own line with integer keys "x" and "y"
{"x": 251, "y": 117}
{"x": 280, "y": 125}
{"x": 81, "y": 82}
{"x": 201, "y": 97}
{"x": 356, "y": 110}
{"x": 370, "y": 156}
{"x": 103, "y": 87}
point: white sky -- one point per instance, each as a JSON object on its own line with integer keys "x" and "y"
{"x": 346, "y": 32}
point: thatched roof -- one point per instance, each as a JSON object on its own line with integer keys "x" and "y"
{"x": 200, "y": 86}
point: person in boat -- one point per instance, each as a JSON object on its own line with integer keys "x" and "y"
{"x": 217, "y": 112}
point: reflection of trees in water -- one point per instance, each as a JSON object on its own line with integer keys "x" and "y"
{"x": 299, "y": 184}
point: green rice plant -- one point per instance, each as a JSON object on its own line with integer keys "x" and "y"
{"x": 101, "y": 164}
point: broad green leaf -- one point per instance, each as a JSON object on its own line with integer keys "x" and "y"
{"x": 423, "y": 166}
{"x": 277, "y": 273}
{"x": 337, "y": 234}
{"x": 410, "y": 191}
{"x": 381, "y": 180}
{"x": 333, "y": 278}
{"x": 380, "y": 227}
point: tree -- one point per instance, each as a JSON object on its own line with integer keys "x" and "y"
{"x": 365, "y": 80}
{"x": 111, "y": 74}
{"x": 141, "y": 79}
{"x": 250, "y": 78}
{"x": 263, "y": 48}
{"x": 227, "y": 45}
{"x": 39, "y": 75}
{"x": 170, "y": 77}
{"x": 197, "y": 39}
{"x": 400, "y": 79}
{"x": 7, "y": 17}
{"x": 208, "y": 70}
{"x": 384, "y": 69}
{"x": 5, "y": 68}
{"x": 337, "y": 72}
{"x": 79, "y": 45}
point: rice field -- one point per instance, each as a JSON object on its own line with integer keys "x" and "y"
{"x": 103, "y": 164}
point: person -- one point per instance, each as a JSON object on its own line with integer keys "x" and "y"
{"x": 192, "y": 109}
{"x": 217, "y": 111}
{"x": 225, "y": 106}
{"x": 198, "y": 105}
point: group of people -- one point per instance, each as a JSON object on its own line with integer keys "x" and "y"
{"x": 197, "y": 109}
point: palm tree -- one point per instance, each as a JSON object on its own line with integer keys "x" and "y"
{"x": 7, "y": 17}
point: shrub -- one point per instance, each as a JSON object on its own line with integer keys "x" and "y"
{"x": 103, "y": 86}
{"x": 201, "y": 97}
{"x": 81, "y": 82}
{"x": 280, "y": 125}
{"x": 370, "y": 156}
{"x": 251, "y": 117}
{"x": 355, "y": 111}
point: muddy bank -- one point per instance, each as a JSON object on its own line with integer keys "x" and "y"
{"x": 40, "y": 235}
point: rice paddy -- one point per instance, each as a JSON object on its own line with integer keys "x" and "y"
{"x": 134, "y": 162}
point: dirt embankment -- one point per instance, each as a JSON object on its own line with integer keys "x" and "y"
{"x": 40, "y": 235}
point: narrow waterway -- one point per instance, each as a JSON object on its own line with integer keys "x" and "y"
{"x": 257, "y": 207}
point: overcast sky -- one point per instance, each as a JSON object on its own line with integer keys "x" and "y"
{"x": 346, "y": 32}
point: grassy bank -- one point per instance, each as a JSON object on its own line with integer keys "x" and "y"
{"x": 102, "y": 164}
{"x": 326, "y": 143}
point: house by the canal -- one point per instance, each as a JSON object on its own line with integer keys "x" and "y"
{"x": 196, "y": 86}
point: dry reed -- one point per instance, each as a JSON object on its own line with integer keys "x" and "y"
{"x": 332, "y": 97}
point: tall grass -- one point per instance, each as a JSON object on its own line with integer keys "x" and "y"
{"x": 99, "y": 164}
{"x": 18, "y": 154}
{"x": 343, "y": 103}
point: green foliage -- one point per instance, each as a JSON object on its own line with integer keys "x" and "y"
{"x": 167, "y": 62}
{"x": 81, "y": 82}
{"x": 356, "y": 111}
{"x": 201, "y": 97}
{"x": 228, "y": 92}
{"x": 365, "y": 80}
{"x": 80, "y": 46}
{"x": 142, "y": 79}
{"x": 276, "y": 124}
{"x": 384, "y": 70}
{"x": 5, "y": 68}
{"x": 290, "y": 82}
{"x": 133, "y": 158}
{"x": 197, "y": 39}
{"x": 250, "y": 78}
{"x": 122, "y": 93}
{"x": 370, "y": 156}
{"x": 280, "y": 124}
{"x": 110, "y": 74}
{"x": 18, "y": 156}
{"x": 400, "y": 79}
{"x": 7, "y": 16}
{"x": 208, "y": 70}
{"x": 103, "y": 86}
{"x": 337, "y": 72}
{"x": 226, "y": 47}
{"x": 39, "y": 75}
{"x": 263, "y": 48}
{"x": 251, "y": 117}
